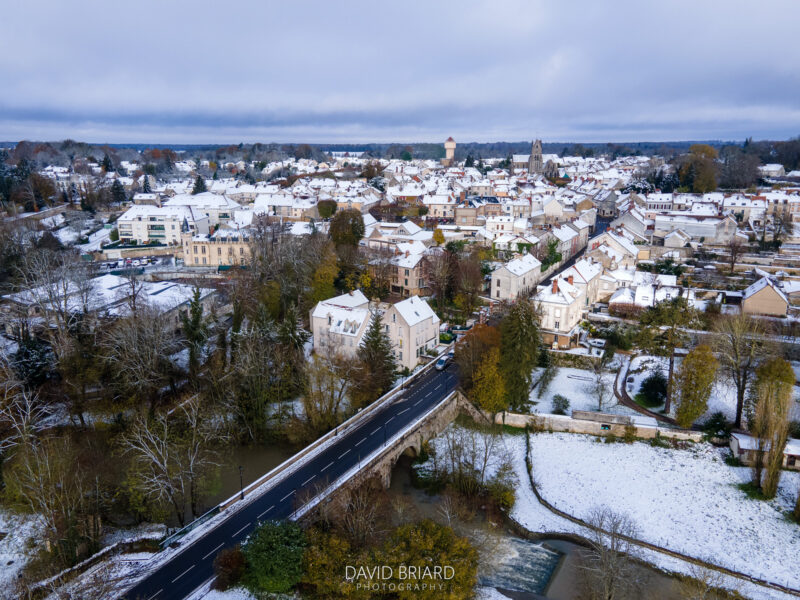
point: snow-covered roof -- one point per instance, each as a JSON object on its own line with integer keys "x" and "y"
{"x": 760, "y": 285}
{"x": 413, "y": 310}
{"x": 522, "y": 265}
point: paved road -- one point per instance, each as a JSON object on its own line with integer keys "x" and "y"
{"x": 192, "y": 566}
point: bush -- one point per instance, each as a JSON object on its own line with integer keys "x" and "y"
{"x": 274, "y": 557}
{"x": 717, "y": 426}
{"x": 560, "y": 405}
{"x": 630, "y": 434}
{"x": 114, "y": 235}
{"x": 794, "y": 429}
{"x": 653, "y": 391}
{"x": 228, "y": 568}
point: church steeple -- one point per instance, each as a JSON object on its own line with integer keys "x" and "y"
{"x": 535, "y": 160}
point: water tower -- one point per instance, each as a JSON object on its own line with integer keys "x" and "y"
{"x": 449, "y": 151}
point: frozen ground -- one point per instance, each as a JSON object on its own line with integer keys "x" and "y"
{"x": 20, "y": 536}
{"x": 723, "y": 395}
{"x": 573, "y": 383}
{"x": 684, "y": 500}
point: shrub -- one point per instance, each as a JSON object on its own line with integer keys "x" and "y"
{"x": 114, "y": 235}
{"x": 653, "y": 391}
{"x": 274, "y": 557}
{"x": 560, "y": 404}
{"x": 228, "y": 568}
{"x": 717, "y": 426}
{"x": 630, "y": 434}
{"x": 794, "y": 429}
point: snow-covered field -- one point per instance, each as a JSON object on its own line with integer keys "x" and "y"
{"x": 20, "y": 536}
{"x": 684, "y": 500}
{"x": 723, "y": 395}
{"x": 573, "y": 383}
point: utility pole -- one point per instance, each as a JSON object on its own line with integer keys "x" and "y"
{"x": 241, "y": 482}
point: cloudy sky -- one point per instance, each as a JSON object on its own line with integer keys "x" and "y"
{"x": 350, "y": 71}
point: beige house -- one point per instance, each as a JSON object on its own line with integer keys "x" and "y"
{"x": 144, "y": 224}
{"x": 516, "y": 277}
{"x": 413, "y": 328}
{"x": 339, "y": 323}
{"x": 561, "y": 307}
{"x": 764, "y": 298}
{"x": 585, "y": 275}
{"x": 225, "y": 247}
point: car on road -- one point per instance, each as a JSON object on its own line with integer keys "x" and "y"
{"x": 442, "y": 363}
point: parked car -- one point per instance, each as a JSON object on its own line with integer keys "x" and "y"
{"x": 136, "y": 262}
{"x": 442, "y": 363}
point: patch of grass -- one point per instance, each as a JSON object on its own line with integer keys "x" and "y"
{"x": 752, "y": 492}
{"x": 733, "y": 461}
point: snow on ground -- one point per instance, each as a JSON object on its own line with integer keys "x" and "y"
{"x": 66, "y": 235}
{"x": 19, "y": 533}
{"x": 488, "y": 593}
{"x": 233, "y": 594}
{"x": 573, "y": 383}
{"x": 723, "y": 394}
{"x": 684, "y": 500}
{"x": 96, "y": 240}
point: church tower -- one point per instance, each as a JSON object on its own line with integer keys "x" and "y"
{"x": 535, "y": 160}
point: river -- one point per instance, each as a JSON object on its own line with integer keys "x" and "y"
{"x": 518, "y": 568}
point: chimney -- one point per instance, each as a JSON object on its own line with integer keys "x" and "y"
{"x": 555, "y": 285}
{"x": 569, "y": 279}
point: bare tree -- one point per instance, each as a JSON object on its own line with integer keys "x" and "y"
{"x": 739, "y": 345}
{"x": 704, "y": 584}
{"x": 138, "y": 350}
{"x": 607, "y": 566}
{"x": 599, "y": 387}
{"x": 736, "y": 247}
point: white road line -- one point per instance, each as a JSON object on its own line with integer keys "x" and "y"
{"x": 330, "y": 464}
{"x": 266, "y": 511}
{"x": 428, "y": 394}
{"x": 343, "y": 453}
{"x": 418, "y": 401}
{"x": 361, "y": 442}
{"x": 402, "y": 411}
{"x": 156, "y": 594}
{"x": 214, "y": 550}
{"x": 308, "y": 480}
{"x": 376, "y": 431}
{"x": 182, "y": 574}
{"x": 438, "y": 386}
{"x": 287, "y": 495}
{"x": 387, "y": 422}
{"x": 241, "y": 530}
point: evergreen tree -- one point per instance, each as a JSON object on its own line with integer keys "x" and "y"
{"x": 664, "y": 331}
{"x": 470, "y": 162}
{"x": 107, "y": 165}
{"x": 145, "y": 184}
{"x": 195, "y": 330}
{"x": 199, "y": 186}
{"x": 519, "y": 349}
{"x": 117, "y": 192}
{"x": 693, "y": 384}
{"x": 378, "y": 363}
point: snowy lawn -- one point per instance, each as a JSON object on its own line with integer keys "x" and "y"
{"x": 573, "y": 384}
{"x": 723, "y": 395}
{"x": 20, "y": 534}
{"x": 684, "y": 500}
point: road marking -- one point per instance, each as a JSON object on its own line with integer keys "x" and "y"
{"x": 330, "y": 464}
{"x": 376, "y": 431}
{"x": 428, "y": 394}
{"x": 418, "y": 401}
{"x": 287, "y": 495}
{"x": 182, "y": 574}
{"x": 241, "y": 530}
{"x": 361, "y": 442}
{"x": 402, "y": 411}
{"x": 438, "y": 386}
{"x": 266, "y": 511}
{"x": 343, "y": 453}
{"x": 308, "y": 480}
{"x": 156, "y": 594}
{"x": 212, "y": 552}
{"x": 387, "y": 422}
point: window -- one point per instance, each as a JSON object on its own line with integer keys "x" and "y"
{"x": 204, "y": 260}
{"x": 195, "y": 249}
{"x": 195, "y": 260}
{"x": 556, "y": 325}
{"x": 203, "y": 250}
{"x": 219, "y": 251}
{"x": 386, "y": 328}
{"x": 400, "y": 355}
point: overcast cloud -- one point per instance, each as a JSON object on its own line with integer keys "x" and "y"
{"x": 217, "y": 72}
